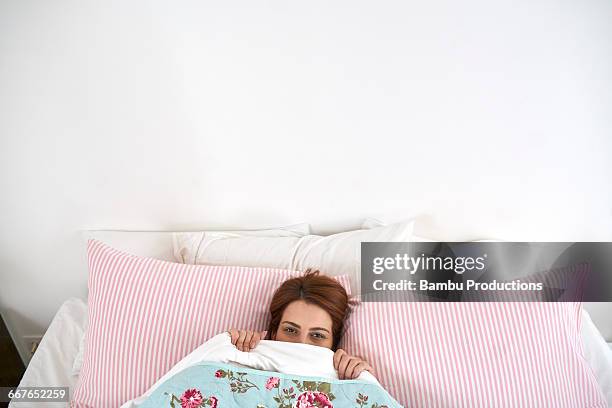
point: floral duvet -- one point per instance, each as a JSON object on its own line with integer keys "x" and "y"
{"x": 274, "y": 374}
{"x": 218, "y": 385}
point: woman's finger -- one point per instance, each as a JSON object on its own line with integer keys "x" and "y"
{"x": 350, "y": 368}
{"x": 247, "y": 341}
{"x": 254, "y": 340}
{"x": 337, "y": 357}
{"x": 234, "y": 335}
{"x": 359, "y": 368}
{"x": 344, "y": 362}
{"x": 240, "y": 342}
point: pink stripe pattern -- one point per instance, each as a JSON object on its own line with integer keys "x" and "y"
{"x": 475, "y": 354}
{"x": 146, "y": 314}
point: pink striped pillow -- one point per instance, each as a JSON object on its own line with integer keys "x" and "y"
{"x": 506, "y": 354}
{"x": 146, "y": 314}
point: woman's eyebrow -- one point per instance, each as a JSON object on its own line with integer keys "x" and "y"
{"x": 319, "y": 328}
{"x": 291, "y": 323}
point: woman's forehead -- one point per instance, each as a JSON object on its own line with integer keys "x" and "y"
{"x": 306, "y": 315}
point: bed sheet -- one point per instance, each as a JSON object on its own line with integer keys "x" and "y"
{"x": 599, "y": 355}
{"x": 52, "y": 364}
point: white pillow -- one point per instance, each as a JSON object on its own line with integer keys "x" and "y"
{"x": 370, "y": 223}
{"x": 340, "y": 254}
{"x": 158, "y": 244}
{"x": 219, "y": 249}
{"x": 337, "y": 254}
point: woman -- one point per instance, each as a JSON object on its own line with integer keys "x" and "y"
{"x": 308, "y": 309}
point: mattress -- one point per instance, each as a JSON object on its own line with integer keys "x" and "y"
{"x": 52, "y": 363}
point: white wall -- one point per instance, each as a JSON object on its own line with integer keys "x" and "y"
{"x": 493, "y": 119}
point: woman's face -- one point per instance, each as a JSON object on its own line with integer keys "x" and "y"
{"x": 305, "y": 323}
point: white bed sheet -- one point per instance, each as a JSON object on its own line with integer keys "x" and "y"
{"x": 52, "y": 363}
{"x": 599, "y": 355}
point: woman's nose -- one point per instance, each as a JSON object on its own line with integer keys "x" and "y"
{"x": 300, "y": 339}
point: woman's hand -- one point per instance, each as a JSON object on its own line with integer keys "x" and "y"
{"x": 349, "y": 367}
{"x": 246, "y": 340}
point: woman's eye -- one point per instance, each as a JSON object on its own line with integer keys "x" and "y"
{"x": 318, "y": 335}
{"x": 290, "y": 330}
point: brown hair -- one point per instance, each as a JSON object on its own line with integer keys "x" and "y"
{"x": 313, "y": 288}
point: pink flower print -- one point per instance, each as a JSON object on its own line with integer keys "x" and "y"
{"x": 313, "y": 399}
{"x": 219, "y": 373}
{"x": 213, "y": 402}
{"x": 191, "y": 398}
{"x": 272, "y": 383}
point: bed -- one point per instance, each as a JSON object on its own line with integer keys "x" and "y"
{"x": 52, "y": 364}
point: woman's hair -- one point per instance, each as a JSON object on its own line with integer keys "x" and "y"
{"x": 313, "y": 288}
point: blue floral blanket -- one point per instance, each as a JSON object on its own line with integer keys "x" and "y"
{"x": 213, "y": 385}
{"x": 274, "y": 374}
